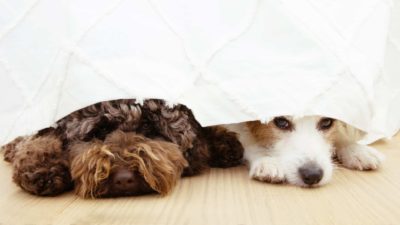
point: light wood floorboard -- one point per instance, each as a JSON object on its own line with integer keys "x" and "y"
{"x": 225, "y": 196}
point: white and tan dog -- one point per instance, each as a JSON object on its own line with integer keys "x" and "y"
{"x": 300, "y": 150}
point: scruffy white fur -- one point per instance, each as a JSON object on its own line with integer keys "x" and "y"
{"x": 279, "y": 158}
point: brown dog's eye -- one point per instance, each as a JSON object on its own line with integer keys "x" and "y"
{"x": 282, "y": 123}
{"x": 325, "y": 123}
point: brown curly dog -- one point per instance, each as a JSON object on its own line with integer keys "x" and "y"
{"x": 119, "y": 148}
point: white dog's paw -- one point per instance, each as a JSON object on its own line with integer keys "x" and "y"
{"x": 267, "y": 169}
{"x": 360, "y": 157}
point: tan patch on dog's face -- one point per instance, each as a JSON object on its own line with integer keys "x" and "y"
{"x": 265, "y": 134}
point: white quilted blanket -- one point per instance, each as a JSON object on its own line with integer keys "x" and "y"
{"x": 228, "y": 60}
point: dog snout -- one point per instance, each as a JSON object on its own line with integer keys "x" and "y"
{"x": 124, "y": 180}
{"x": 311, "y": 173}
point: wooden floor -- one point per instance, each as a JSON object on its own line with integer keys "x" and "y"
{"x": 225, "y": 197}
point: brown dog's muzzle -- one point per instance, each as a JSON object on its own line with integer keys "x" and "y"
{"x": 125, "y": 182}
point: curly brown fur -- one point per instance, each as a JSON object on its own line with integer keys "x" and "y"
{"x": 153, "y": 141}
{"x": 179, "y": 126}
{"x": 158, "y": 163}
{"x": 40, "y": 166}
{"x": 10, "y": 149}
{"x": 224, "y": 147}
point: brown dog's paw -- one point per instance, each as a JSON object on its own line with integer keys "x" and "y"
{"x": 224, "y": 147}
{"x": 41, "y": 167}
{"x": 47, "y": 181}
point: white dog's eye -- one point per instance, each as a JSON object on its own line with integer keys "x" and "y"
{"x": 325, "y": 123}
{"x": 282, "y": 123}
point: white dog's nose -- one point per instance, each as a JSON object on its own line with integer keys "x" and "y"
{"x": 311, "y": 173}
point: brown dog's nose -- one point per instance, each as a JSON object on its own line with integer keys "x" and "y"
{"x": 311, "y": 173}
{"x": 124, "y": 181}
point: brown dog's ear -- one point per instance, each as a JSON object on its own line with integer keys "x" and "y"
{"x": 90, "y": 164}
{"x": 11, "y": 148}
{"x": 159, "y": 162}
